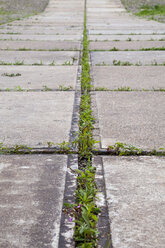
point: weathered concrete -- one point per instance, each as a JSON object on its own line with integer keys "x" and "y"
{"x": 135, "y": 118}
{"x": 40, "y": 57}
{"x": 135, "y": 77}
{"x": 126, "y": 32}
{"x": 135, "y": 192}
{"x": 41, "y": 37}
{"x": 39, "y": 45}
{"x": 31, "y": 200}
{"x": 35, "y": 118}
{"x": 36, "y": 77}
{"x": 123, "y": 45}
{"x": 142, "y": 57}
{"x": 125, "y": 37}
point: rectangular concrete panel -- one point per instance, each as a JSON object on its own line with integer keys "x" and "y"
{"x": 134, "y": 57}
{"x": 134, "y": 77}
{"x": 38, "y": 77}
{"x": 31, "y": 200}
{"x": 135, "y": 118}
{"x": 39, "y": 45}
{"x": 35, "y": 118}
{"x": 123, "y": 45}
{"x": 41, "y": 58}
{"x": 135, "y": 192}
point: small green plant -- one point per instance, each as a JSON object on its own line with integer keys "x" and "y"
{"x": 18, "y": 63}
{"x": 129, "y": 39}
{"x": 7, "y": 89}
{"x": 67, "y": 63}
{"x": 125, "y": 88}
{"x": 101, "y": 89}
{"x": 46, "y": 88}
{"x": 18, "y": 88}
{"x": 64, "y": 147}
{"x": 50, "y": 144}
{"x": 123, "y": 149}
{"x": 64, "y": 88}
{"x": 11, "y": 75}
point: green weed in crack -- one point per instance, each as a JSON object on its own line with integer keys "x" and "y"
{"x": 85, "y": 210}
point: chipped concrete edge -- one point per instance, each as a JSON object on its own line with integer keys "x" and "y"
{"x": 103, "y": 217}
{"x": 66, "y": 227}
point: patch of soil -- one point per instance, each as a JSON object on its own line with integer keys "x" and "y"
{"x": 16, "y": 9}
{"x": 135, "y": 5}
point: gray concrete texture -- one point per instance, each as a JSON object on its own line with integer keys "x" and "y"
{"x": 140, "y": 57}
{"x": 135, "y": 192}
{"x": 125, "y": 37}
{"x": 135, "y": 77}
{"x": 31, "y": 200}
{"x": 41, "y": 37}
{"x": 39, "y": 45}
{"x": 135, "y": 118}
{"x": 35, "y": 118}
{"x": 40, "y": 57}
{"x": 36, "y": 77}
{"x": 123, "y": 45}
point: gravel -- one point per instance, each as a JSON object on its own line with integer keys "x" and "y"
{"x": 15, "y": 9}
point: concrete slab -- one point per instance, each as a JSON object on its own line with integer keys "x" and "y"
{"x": 72, "y": 37}
{"x": 31, "y": 197}
{"x": 142, "y": 57}
{"x": 39, "y": 45}
{"x": 35, "y": 118}
{"x": 36, "y": 77}
{"x": 135, "y": 77}
{"x": 136, "y": 200}
{"x": 38, "y": 57}
{"x": 123, "y": 45}
{"x": 135, "y": 118}
{"x": 125, "y": 37}
{"x": 126, "y": 31}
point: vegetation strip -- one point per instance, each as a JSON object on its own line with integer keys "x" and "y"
{"x": 85, "y": 210}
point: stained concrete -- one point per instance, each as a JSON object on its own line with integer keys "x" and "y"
{"x": 142, "y": 57}
{"x": 135, "y": 192}
{"x": 39, "y": 45}
{"x": 41, "y": 37}
{"x": 123, "y": 45}
{"x": 35, "y": 118}
{"x": 125, "y": 37}
{"x": 36, "y": 77}
{"x": 40, "y": 57}
{"x": 31, "y": 200}
{"x": 135, "y": 118}
{"x": 135, "y": 77}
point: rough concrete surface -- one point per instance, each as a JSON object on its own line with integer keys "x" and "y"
{"x": 31, "y": 200}
{"x": 40, "y": 57}
{"x": 136, "y": 200}
{"x": 38, "y": 77}
{"x": 135, "y": 118}
{"x": 39, "y": 45}
{"x": 142, "y": 57}
{"x": 35, "y": 118}
{"x": 135, "y": 77}
{"x": 122, "y": 45}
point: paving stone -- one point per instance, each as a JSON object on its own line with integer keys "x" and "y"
{"x": 125, "y": 32}
{"x": 135, "y": 192}
{"x": 142, "y": 57}
{"x": 41, "y": 37}
{"x": 31, "y": 200}
{"x": 35, "y": 118}
{"x": 40, "y": 57}
{"x": 135, "y": 118}
{"x": 39, "y": 45}
{"x": 135, "y": 77}
{"x": 122, "y": 45}
{"x": 36, "y": 77}
{"x": 125, "y": 37}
